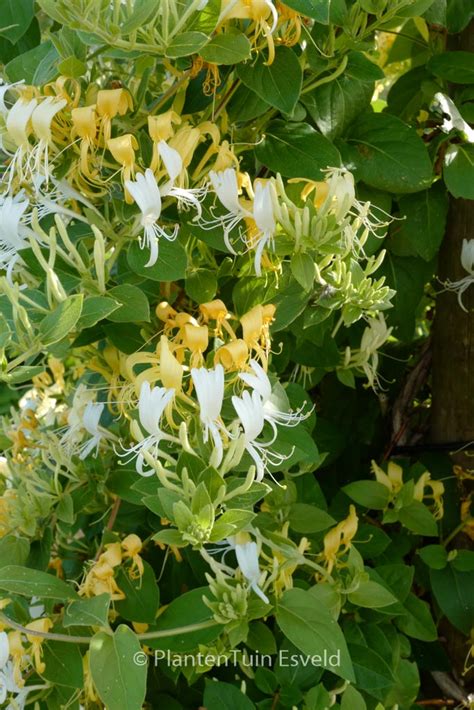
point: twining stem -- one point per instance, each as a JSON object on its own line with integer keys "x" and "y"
{"x": 51, "y": 636}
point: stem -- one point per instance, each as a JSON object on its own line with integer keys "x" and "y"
{"x": 87, "y": 639}
{"x": 457, "y": 530}
{"x": 337, "y": 72}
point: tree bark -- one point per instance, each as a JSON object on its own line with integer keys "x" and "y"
{"x": 452, "y": 417}
{"x": 452, "y": 411}
{"x": 453, "y": 341}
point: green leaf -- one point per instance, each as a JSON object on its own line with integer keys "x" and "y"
{"x": 317, "y": 9}
{"x": 417, "y": 621}
{"x": 65, "y": 509}
{"x": 37, "y": 66}
{"x": 435, "y": 556}
{"x": 126, "y": 338}
{"x": 134, "y": 306}
{"x": 50, "y": 8}
{"x": 184, "y": 610}
{"x": 371, "y": 595}
{"x": 333, "y": 106}
{"x": 142, "y": 12}
{"x": 22, "y": 373}
{"x": 370, "y": 494}
{"x": 201, "y": 285}
{"x": 142, "y": 595}
{"x": 388, "y": 154}
{"x": 228, "y": 48}
{"x": 230, "y": 523}
{"x": 416, "y": 517}
{"x": 458, "y": 15}
{"x": 408, "y": 277}
{"x": 453, "y": 592}
{"x": 458, "y": 171}
{"x": 58, "y": 324}
{"x": 313, "y": 630}
{"x": 73, "y": 67}
{"x": 306, "y": 518}
{"x": 296, "y": 150}
{"x": 13, "y": 550}
{"x": 33, "y": 583}
{"x": 119, "y": 679}
{"x": 421, "y": 229}
{"x": 63, "y": 663}
{"x": 171, "y": 264}
{"x": 278, "y": 84}
{"x": 185, "y": 44}
{"x": 15, "y": 18}
{"x": 224, "y": 696}
{"x": 352, "y": 700}
{"x": 88, "y": 612}
{"x": 373, "y": 675}
{"x": 245, "y": 105}
{"x": 302, "y": 268}
{"x": 456, "y": 67}
{"x": 463, "y": 560}
{"x": 95, "y": 309}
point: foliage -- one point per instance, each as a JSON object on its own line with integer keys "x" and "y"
{"x": 219, "y": 230}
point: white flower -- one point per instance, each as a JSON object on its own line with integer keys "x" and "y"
{"x": 84, "y": 417}
{"x": 209, "y": 386}
{"x": 8, "y": 685}
{"x": 226, "y": 187}
{"x": 41, "y": 120}
{"x": 4, "y": 649}
{"x": 151, "y": 406}
{"x": 452, "y": 118}
{"x": 467, "y": 255}
{"x": 467, "y": 262}
{"x": 247, "y": 558}
{"x": 251, "y": 413}
{"x": 90, "y": 422}
{"x": 18, "y": 121}
{"x": 146, "y": 193}
{"x": 264, "y": 219}
{"x": 12, "y": 231}
{"x": 174, "y": 167}
{"x": 260, "y": 383}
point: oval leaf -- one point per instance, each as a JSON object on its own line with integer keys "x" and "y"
{"x": 278, "y": 84}
{"x": 116, "y": 668}
{"x": 297, "y": 150}
{"x": 33, "y": 583}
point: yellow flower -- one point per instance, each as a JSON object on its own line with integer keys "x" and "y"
{"x": 161, "y": 128}
{"x": 18, "y": 654}
{"x": 112, "y": 555}
{"x": 165, "y": 312}
{"x": 233, "y": 355}
{"x": 110, "y": 103}
{"x": 196, "y": 338}
{"x": 171, "y": 371}
{"x": 89, "y": 688}
{"x": 256, "y": 329}
{"x": 341, "y": 535}
{"x": 123, "y": 150}
{"x": 437, "y": 491}
{"x": 132, "y": 546}
{"x": 261, "y": 12}
{"x": 36, "y": 642}
{"x": 84, "y": 125}
{"x": 393, "y": 479}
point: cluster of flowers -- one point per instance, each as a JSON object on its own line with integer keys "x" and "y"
{"x": 188, "y": 391}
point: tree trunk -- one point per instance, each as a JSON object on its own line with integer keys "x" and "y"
{"x": 452, "y": 413}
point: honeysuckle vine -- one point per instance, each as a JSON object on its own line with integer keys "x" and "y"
{"x": 212, "y": 274}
